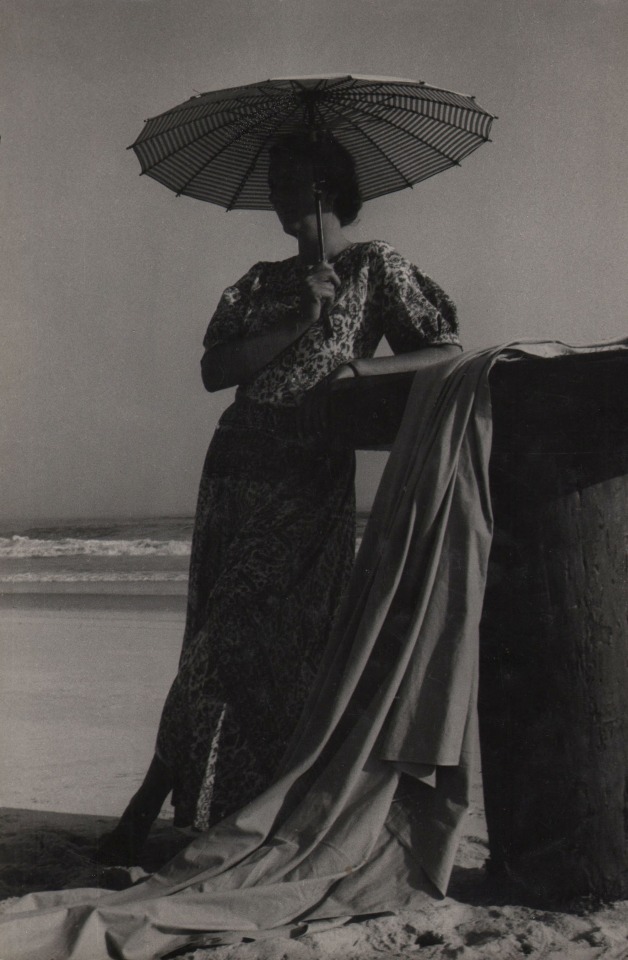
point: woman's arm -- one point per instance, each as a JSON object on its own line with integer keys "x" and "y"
{"x": 314, "y": 408}
{"x": 405, "y": 362}
{"x": 237, "y": 361}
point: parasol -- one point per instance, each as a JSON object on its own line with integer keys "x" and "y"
{"x": 215, "y": 146}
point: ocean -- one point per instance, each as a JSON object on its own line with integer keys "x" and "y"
{"x": 118, "y": 556}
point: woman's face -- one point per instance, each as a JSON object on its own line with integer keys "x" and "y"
{"x": 291, "y": 183}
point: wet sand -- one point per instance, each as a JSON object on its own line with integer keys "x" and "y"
{"x": 83, "y": 681}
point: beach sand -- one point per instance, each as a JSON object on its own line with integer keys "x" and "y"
{"x": 84, "y": 675}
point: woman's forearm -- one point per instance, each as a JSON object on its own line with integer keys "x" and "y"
{"x": 237, "y": 361}
{"x": 405, "y": 362}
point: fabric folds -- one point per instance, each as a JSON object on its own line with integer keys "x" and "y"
{"x": 367, "y": 812}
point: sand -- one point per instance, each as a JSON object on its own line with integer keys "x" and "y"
{"x": 84, "y": 676}
{"x": 83, "y": 682}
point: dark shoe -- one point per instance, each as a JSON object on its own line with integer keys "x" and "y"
{"x": 123, "y": 846}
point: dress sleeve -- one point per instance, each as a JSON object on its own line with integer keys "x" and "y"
{"x": 227, "y": 322}
{"x": 416, "y": 312}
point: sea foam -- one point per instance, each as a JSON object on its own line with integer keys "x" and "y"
{"x": 100, "y": 577}
{"x": 22, "y": 547}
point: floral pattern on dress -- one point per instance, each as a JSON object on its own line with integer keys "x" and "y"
{"x": 380, "y": 294}
{"x": 272, "y": 553}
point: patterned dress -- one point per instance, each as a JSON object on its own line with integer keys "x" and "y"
{"x": 273, "y": 543}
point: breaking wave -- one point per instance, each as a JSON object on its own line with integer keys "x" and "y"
{"x": 21, "y": 547}
{"x": 102, "y": 577}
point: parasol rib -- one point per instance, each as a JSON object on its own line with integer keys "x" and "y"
{"x": 299, "y": 82}
{"x": 416, "y": 138}
{"x": 232, "y": 111}
{"x": 374, "y": 143}
{"x": 251, "y": 167}
{"x": 222, "y": 149}
{"x": 411, "y": 95}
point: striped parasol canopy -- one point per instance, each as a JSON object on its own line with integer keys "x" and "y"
{"x": 215, "y": 146}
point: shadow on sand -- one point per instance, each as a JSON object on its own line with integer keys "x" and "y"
{"x": 40, "y": 850}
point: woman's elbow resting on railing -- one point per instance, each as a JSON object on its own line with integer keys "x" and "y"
{"x": 405, "y": 362}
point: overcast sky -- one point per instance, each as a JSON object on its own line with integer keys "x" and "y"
{"x": 108, "y": 280}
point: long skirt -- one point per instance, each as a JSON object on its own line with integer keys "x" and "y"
{"x": 272, "y": 551}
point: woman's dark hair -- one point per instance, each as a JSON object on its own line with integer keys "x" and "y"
{"x": 332, "y": 164}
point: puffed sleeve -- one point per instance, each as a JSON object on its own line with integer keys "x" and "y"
{"x": 227, "y": 322}
{"x": 415, "y": 311}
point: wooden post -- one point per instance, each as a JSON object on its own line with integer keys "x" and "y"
{"x": 554, "y": 639}
{"x": 553, "y": 697}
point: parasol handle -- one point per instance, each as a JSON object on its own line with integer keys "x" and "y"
{"x": 317, "y": 189}
{"x": 318, "y": 193}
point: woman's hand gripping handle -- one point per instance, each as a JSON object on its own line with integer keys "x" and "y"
{"x": 318, "y": 292}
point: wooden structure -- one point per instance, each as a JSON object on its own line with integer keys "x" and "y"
{"x": 553, "y": 697}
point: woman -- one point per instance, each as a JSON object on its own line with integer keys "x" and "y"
{"x": 274, "y": 534}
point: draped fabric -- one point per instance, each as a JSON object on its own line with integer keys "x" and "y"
{"x": 367, "y": 813}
